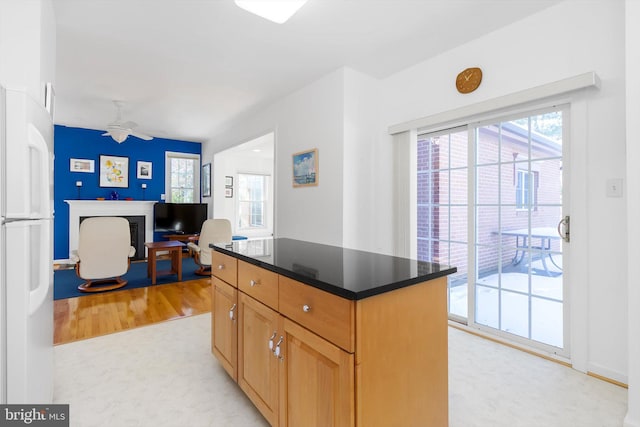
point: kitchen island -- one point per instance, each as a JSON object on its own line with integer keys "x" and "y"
{"x": 318, "y": 335}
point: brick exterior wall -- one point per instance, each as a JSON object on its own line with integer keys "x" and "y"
{"x": 443, "y": 191}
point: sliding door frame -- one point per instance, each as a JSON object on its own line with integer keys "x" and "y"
{"x": 405, "y": 140}
{"x": 473, "y": 128}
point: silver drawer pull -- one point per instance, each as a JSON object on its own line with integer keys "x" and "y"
{"x": 276, "y": 352}
{"x": 231, "y": 316}
{"x": 253, "y": 283}
{"x": 306, "y": 308}
{"x": 221, "y": 267}
{"x": 271, "y": 340}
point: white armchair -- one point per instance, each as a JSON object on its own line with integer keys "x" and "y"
{"x": 213, "y": 231}
{"x": 104, "y": 252}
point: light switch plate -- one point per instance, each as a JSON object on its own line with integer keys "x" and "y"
{"x": 614, "y": 187}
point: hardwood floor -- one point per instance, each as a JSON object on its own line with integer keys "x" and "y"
{"x": 100, "y": 314}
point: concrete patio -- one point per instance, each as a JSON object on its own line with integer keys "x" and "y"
{"x": 503, "y": 301}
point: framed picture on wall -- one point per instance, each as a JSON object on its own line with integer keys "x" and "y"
{"x": 114, "y": 171}
{"x": 206, "y": 180}
{"x": 228, "y": 192}
{"x": 81, "y": 165}
{"x": 305, "y": 168}
{"x": 228, "y": 181}
{"x": 144, "y": 170}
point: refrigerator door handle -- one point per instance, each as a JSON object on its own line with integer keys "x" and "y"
{"x": 37, "y": 142}
{"x": 38, "y": 295}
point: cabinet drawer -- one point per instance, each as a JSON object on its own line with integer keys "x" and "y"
{"x": 224, "y": 267}
{"x": 258, "y": 283}
{"x": 325, "y": 314}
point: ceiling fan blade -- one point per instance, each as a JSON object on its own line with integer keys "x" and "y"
{"x": 141, "y": 136}
{"x": 120, "y": 131}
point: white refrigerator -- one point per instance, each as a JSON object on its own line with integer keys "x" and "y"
{"x": 26, "y": 250}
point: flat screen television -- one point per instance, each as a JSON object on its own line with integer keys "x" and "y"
{"x": 179, "y": 218}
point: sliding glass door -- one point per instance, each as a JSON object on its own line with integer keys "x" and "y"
{"x": 501, "y": 183}
{"x": 518, "y": 283}
{"x": 443, "y": 207}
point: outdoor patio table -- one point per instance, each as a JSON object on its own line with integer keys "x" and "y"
{"x": 545, "y": 234}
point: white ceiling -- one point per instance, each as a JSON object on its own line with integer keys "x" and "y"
{"x": 185, "y": 68}
{"x": 261, "y": 147}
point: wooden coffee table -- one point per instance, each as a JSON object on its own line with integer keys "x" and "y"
{"x": 174, "y": 248}
{"x": 186, "y": 238}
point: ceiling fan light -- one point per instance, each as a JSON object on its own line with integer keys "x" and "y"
{"x": 278, "y": 11}
{"x": 118, "y": 135}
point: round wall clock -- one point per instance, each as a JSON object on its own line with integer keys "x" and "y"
{"x": 469, "y": 80}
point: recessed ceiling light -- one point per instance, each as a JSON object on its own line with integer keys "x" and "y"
{"x": 256, "y": 150}
{"x": 276, "y": 11}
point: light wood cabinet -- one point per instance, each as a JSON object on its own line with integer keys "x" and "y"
{"x": 224, "y": 267}
{"x": 327, "y": 315}
{"x": 258, "y": 283}
{"x": 306, "y": 357}
{"x": 316, "y": 381}
{"x": 293, "y": 376}
{"x": 257, "y": 364}
{"x": 401, "y": 357}
{"x": 224, "y": 326}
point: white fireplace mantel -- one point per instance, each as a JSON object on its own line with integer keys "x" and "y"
{"x": 82, "y": 208}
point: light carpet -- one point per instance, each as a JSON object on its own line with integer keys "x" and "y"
{"x": 165, "y": 375}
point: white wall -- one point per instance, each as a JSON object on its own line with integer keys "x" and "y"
{"x": 27, "y": 45}
{"x": 312, "y": 118}
{"x": 309, "y": 118}
{"x": 338, "y": 115}
{"x": 566, "y": 40}
{"x": 47, "y": 44}
{"x": 366, "y": 167}
{"x": 633, "y": 206}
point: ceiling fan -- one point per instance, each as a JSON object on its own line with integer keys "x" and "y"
{"x": 120, "y": 130}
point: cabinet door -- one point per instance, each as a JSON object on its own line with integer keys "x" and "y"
{"x": 316, "y": 381}
{"x": 224, "y": 326}
{"x": 257, "y": 364}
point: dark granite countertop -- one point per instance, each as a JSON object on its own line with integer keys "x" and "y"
{"x": 348, "y": 273}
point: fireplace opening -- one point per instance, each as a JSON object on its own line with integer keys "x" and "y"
{"x": 136, "y": 227}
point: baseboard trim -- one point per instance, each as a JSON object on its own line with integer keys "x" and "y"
{"x": 607, "y": 379}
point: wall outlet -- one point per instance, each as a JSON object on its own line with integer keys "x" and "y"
{"x": 163, "y": 197}
{"x": 614, "y": 187}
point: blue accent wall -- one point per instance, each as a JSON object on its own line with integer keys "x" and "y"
{"x": 80, "y": 143}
